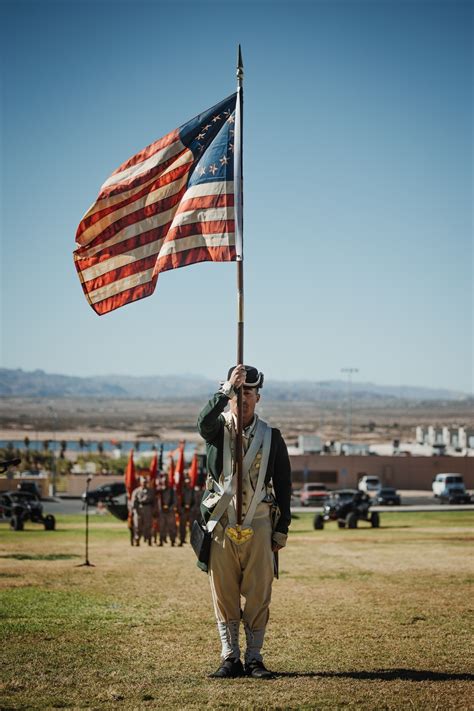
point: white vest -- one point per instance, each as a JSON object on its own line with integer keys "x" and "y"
{"x": 255, "y": 464}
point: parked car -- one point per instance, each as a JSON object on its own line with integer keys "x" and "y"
{"x": 369, "y": 483}
{"x": 104, "y": 492}
{"x": 22, "y": 506}
{"x": 347, "y": 507}
{"x": 387, "y": 496}
{"x": 29, "y": 486}
{"x": 449, "y": 488}
{"x": 455, "y": 497}
{"x": 313, "y": 494}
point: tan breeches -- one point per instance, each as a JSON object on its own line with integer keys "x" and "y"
{"x": 244, "y": 570}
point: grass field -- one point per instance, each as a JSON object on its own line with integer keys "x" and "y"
{"x": 366, "y": 619}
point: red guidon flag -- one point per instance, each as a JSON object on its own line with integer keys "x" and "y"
{"x": 193, "y": 471}
{"x": 170, "y": 205}
{"x": 153, "y": 469}
{"x": 171, "y": 481}
{"x": 179, "y": 473}
{"x": 130, "y": 477}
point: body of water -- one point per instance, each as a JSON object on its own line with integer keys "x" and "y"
{"x": 93, "y": 447}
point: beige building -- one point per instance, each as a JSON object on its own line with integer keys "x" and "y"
{"x": 403, "y": 472}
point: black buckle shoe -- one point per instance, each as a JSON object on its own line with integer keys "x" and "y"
{"x": 229, "y": 669}
{"x": 258, "y": 670}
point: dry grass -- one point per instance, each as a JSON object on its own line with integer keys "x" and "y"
{"x": 366, "y": 619}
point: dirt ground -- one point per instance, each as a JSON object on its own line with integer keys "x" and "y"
{"x": 368, "y": 619}
{"x": 98, "y": 420}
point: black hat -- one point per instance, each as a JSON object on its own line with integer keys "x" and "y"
{"x": 253, "y": 379}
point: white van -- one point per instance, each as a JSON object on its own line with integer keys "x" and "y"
{"x": 369, "y": 483}
{"x": 448, "y": 485}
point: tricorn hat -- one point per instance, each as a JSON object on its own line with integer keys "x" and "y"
{"x": 253, "y": 379}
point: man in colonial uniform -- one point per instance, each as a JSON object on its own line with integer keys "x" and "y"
{"x": 142, "y": 506}
{"x": 243, "y": 569}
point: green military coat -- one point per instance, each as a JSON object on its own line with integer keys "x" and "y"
{"x": 211, "y": 428}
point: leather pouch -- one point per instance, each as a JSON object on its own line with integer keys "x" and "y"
{"x": 201, "y": 543}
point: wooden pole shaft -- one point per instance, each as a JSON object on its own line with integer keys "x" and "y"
{"x": 240, "y": 400}
{"x": 238, "y": 178}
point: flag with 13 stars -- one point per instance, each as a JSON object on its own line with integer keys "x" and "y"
{"x": 170, "y": 205}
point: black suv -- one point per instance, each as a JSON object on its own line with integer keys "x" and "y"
{"x": 387, "y": 496}
{"x": 454, "y": 497}
{"x": 347, "y": 507}
{"x": 21, "y": 506}
{"x": 104, "y": 493}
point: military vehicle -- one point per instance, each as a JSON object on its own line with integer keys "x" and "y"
{"x": 347, "y": 507}
{"x": 22, "y": 506}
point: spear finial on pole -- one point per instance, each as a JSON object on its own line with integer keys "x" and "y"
{"x": 240, "y": 67}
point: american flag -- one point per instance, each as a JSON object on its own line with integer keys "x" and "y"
{"x": 170, "y": 205}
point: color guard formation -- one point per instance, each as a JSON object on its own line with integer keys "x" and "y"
{"x": 162, "y": 506}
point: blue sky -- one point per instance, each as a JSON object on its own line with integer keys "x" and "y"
{"x": 358, "y": 185}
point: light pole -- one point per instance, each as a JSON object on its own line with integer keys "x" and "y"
{"x": 349, "y": 372}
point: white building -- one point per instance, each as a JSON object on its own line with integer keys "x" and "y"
{"x": 421, "y": 434}
{"x": 466, "y": 438}
{"x": 310, "y": 444}
{"x": 451, "y": 436}
{"x": 435, "y": 435}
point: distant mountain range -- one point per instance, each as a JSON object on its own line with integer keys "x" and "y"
{"x": 18, "y": 383}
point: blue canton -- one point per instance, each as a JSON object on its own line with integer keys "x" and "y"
{"x": 210, "y": 137}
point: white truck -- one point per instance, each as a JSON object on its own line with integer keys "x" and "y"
{"x": 450, "y": 488}
{"x": 369, "y": 484}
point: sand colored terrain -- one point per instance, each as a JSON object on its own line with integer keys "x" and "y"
{"x": 101, "y": 420}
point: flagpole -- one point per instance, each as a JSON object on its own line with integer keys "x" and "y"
{"x": 238, "y": 180}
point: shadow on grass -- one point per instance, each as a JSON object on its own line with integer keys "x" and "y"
{"x": 49, "y": 556}
{"x": 385, "y": 675}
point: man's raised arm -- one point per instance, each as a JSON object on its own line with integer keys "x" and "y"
{"x": 209, "y": 424}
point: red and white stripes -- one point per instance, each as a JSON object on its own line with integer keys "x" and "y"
{"x": 146, "y": 221}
